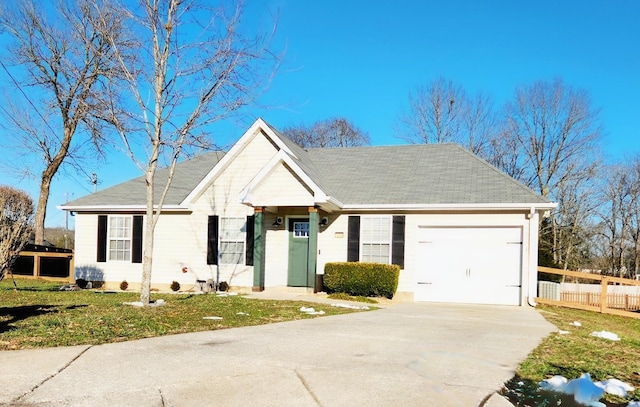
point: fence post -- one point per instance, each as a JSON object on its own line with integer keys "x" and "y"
{"x": 72, "y": 268}
{"x": 603, "y": 294}
{"x": 36, "y": 265}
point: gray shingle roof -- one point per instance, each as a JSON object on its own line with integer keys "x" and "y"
{"x": 415, "y": 174}
{"x": 394, "y": 175}
{"x": 186, "y": 177}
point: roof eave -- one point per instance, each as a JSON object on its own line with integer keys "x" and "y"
{"x": 530, "y": 207}
{"x": 121, "y": 208}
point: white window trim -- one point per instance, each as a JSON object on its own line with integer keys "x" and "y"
{"x": 129, "y": 239}
{"x": 242, "y": 240}
{"x": 389, "y": 240}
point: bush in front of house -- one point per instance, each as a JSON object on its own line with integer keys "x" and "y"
{"x": 366, "y": 279}
{"x": 175, "y": 286}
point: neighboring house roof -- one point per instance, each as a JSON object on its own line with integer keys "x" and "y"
{"x": 428, "y": 174}
{"x": 186, "y": 176}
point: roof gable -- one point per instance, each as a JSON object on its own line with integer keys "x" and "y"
{"x": 290, "y": 175}
{"x": 259, "y": 127}
{"x": 279, "y": 185}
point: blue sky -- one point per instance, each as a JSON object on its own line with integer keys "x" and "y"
{"x": 360, "y": 60}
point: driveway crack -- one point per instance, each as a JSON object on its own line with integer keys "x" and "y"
{"x": 306, "y": 386}
{"x": 34, "y": 388}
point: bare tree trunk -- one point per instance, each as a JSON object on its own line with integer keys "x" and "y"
{"x": 41, "y": 211}
{"x": 147, "y": 263}
{"x": 45, "y": 184}
{"x": 554, "y": 243}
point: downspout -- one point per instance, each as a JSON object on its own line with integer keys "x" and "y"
{"x": 532, "y": 276}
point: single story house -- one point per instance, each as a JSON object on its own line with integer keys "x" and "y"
{"x": 269, "y": 214}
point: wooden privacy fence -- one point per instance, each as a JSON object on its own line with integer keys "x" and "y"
{"x": 46, "y": 263}
{"x": 601, "y": 300}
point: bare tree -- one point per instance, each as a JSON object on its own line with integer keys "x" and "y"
{"x": 571, "y": 227}
{"x": 67, "y": 58}
{"x": 619, "y": 217}
{"x": 16, "y": 225}
{"x": 554, "y": 133}
{"x": 614, "y": 216}
{"x": 334, "y": 132}
{"x": 196, "y": 66}
{"x": 443, "y": 112}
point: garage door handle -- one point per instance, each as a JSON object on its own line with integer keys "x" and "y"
{"x": 423, "y": 282}
{"x": 518, "y": 285}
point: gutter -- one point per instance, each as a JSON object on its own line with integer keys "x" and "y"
{"x": 540, "y": 207}
{"x": 121, "y": 208}
{"x": 533, "y": 227}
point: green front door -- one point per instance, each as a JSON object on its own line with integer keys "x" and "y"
{"x": 298, "y": 252}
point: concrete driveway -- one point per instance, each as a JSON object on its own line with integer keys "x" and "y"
{"x": 405, "y": 354}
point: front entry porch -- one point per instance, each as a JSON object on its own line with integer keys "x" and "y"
{"x": 302, "y": 245}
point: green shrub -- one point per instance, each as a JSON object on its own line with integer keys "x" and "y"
{"x": 366, "y": 279}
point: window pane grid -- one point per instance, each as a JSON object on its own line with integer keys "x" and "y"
{"x": 232, "y": 240}
{"x": 120, "y": 232}
{"x": 301, "y": 229}
{"x": 375, "y": 236}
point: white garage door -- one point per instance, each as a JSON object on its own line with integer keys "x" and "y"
{"x": 469, "y": 265}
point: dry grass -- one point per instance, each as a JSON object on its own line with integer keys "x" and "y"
{"x": 39, "y": 315}
{"x": 578, "y": 352}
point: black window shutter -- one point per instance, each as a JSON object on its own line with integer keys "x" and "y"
{"x": 353, "y": 239}
{"x": 248, "y": 259}
{"x": 212, "y": 240}
{"x": 102, "y": 239}
{"x": 397, "y": 243}
{"x": 136, "y": 240}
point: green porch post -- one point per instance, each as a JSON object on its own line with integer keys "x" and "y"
{"x": 312, "y": 259}
{"x": 258, "y": 250}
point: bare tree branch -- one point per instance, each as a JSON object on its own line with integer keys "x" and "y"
{"x": 16, "y": 225}
{"x": 334, "y": 132}
{"x": 66, "y": 56}
{"x": 195, "y": 66}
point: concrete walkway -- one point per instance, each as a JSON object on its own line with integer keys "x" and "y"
{"x": 403, "y": 354}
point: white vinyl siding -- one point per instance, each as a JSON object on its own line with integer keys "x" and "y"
{"x": 232, "y": 240}
{"x": 120, "y": 232}
{"x": 375, "y": 239}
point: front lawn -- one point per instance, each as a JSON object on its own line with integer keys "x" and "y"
{"x": 576, "y": 352}
{"x": 39, "y": 315}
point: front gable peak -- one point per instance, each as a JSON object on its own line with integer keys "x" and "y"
{"x": 258, "y": 128}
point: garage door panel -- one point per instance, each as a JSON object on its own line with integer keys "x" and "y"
{"x": 470, "y": 265}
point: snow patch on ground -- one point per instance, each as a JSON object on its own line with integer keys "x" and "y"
{"x": 157, "y": 303}
{"x": 350, "y": 306}
{"x": 311, "y": 311}
{"x": 606, "y": 335}
{"x": 225, "y": 294}
{"x": 585, "y": 391}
